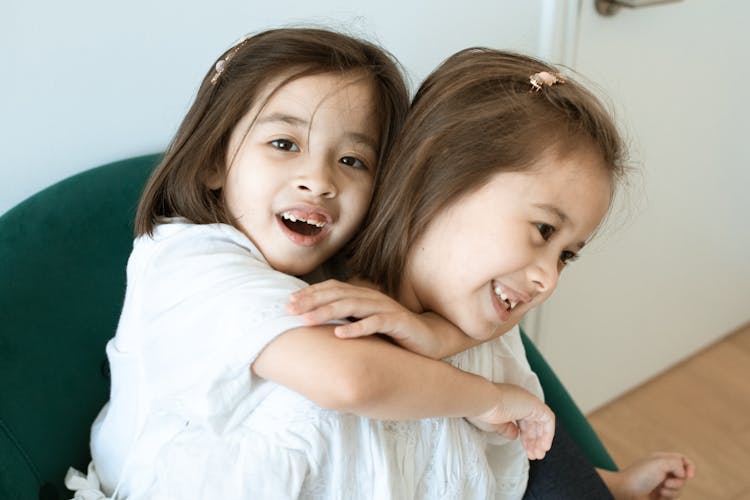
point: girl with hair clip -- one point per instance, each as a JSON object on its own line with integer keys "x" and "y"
{"x": 503, "y": 172}
{"x": 269, "y": 176}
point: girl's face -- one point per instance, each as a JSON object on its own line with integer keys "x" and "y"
{"x": 497, "y": 252}
{"x": 300, "y": 181}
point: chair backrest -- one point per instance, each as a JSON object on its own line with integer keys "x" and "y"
{"x": 62, "y": 281}
{"x": 63, "y": 254}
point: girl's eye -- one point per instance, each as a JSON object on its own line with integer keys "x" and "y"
{"x": 545, "y": 230}
{"x": 567, "y": 256}
{"x": 285, "y": 145}
{"x": 353, "y": 162}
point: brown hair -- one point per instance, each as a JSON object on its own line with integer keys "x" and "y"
{"x": 474, "y": 116}
{"x": 177, "y": 187}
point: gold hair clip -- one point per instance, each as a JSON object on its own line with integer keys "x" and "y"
{"x": 544, "y": 78}
{"x": 221, "y": 64}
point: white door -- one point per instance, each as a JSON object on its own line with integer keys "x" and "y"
{"x": 671, "y": 274}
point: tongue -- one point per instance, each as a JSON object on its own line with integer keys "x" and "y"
{"x": 302, "y": 227}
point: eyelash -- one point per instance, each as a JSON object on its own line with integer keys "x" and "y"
{"x": 362, "y": 165}
{"x": 566, "y": 257}
{"x": 277, "y": 143}
{"x": 546, "y": 231}
{"x": 291, "y": 146}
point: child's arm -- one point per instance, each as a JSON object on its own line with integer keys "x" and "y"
{"x": 376, "y": 379}
{"x": 427, "y": 334}
{"x": 657, "y": 476}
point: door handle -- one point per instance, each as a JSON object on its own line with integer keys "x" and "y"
{"x": 611, "y": 7}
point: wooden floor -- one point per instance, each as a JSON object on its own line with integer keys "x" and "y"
{"x": 701, "y": 408}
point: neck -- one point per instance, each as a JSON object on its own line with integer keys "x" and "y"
{"x": 408, "y": 297}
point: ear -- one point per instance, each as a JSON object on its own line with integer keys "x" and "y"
{"x": 214, "y": 178}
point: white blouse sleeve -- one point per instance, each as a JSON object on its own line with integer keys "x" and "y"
{"x": 202, "y": 304}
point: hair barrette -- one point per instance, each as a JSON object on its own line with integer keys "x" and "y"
{"x": 544, "y": 79}
{"x": 221, "y": 64}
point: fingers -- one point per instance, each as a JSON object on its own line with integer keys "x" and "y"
{"x": 689, "y": 467}
{"x": 367, "y": 326}
{"x": 537, "y": 435}
{"x": 339, "y": 309}
{"x": 314, "y": 296}
{"x": 670, "y": 488}
{"x": 339, "y": 301}
{"x": 658, "y": 475}
{"x": 666, "y": 493}
{"x": 676, "y": 465}
{"x": 333, "y": 299}
{"x": 535, "y": 420}
{"x": 678, "y": 469}
{"x": 508, "y": 430}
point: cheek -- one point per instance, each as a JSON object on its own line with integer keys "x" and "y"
{"x": 359, "y": 200}
{"x": 234, "y": 194}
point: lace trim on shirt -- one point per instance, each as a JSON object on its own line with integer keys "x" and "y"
{"x": 85, "y": 486}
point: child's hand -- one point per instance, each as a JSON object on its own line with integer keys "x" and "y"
{"x": 657, "y": 476}
{"x": 376, "y": 313}
{"x": 520, "y": 413}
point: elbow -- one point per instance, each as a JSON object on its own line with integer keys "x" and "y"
{"x": 354, "y": 387}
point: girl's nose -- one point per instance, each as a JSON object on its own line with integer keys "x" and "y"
{"x": 317, "y": 180}
{"x": 544, "y": 273}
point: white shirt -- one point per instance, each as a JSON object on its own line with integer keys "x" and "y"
{"x": 188, "y": 419}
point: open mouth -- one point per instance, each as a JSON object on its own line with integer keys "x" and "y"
{"x": 508, "y": 302}
{"x": 308, "y": 225}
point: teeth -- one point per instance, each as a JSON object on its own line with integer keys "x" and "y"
{"x": 510, "y": 304}
{"x": 288, "y": 216}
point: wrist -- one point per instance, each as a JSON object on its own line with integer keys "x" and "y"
{"x": 491, "y": 398}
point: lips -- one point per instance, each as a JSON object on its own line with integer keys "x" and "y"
{"x": 505, "y": 299}
{"x": 509, "y": 303}
{"x": 305, "y": 225}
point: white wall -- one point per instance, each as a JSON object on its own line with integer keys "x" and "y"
{"x": 672, "y": 273}
{"x": 85, "y": 82}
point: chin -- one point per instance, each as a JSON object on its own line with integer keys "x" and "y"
{"x": 295, "y": 268}
{"x": 497, "y": 330}
{"x": 486, "y": 334}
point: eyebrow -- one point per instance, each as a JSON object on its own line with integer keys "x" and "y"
{"x": 295, "y": 121}
{"x": 561, "y": 216}
{"x": 283, "y": 118}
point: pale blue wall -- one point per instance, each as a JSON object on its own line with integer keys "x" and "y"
{"x": 86, "y": 82}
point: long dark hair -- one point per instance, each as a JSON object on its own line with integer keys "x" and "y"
{"x": 475, "y": 115}
{"x": 178, "y": 185}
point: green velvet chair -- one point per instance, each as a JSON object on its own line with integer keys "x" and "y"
{"x": 62, "y": 281}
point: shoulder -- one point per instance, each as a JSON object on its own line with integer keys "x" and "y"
{"x": 179, "y": 237}
{"x": 202, "y": 254}
{"x": 177, "y": 242}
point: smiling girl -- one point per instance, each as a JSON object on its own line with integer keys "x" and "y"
{"x": 502, "y": 174}
{"x": 269, "y": 175}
